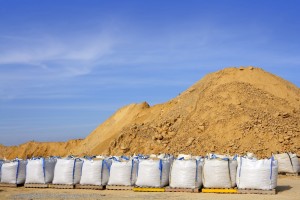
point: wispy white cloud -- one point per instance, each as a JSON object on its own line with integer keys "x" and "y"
{"x": 30, "y": 61}
{"x": 56, "y": 57}
{"x": 46, "y": 62}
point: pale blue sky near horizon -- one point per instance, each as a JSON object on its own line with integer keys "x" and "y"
{"x": 66, "y": 66}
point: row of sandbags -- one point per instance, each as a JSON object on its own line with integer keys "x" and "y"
{"x": 94, "y": 171}
{"x": 225, "y": 172}
{"x": 69, "y": 171}
{"x": 86, "y": 171}
{"x": 213, "y": 172}
{"x": 54, "y": 170}
{"x": 287, "y": 163}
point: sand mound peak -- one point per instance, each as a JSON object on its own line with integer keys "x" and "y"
{"x": 232, "y": 110}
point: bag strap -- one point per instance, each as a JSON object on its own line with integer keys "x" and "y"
{"x": 74, "y": 166}
{"x": 203, "y": 177}
{"x": 131, "y": 170}
{"x": 1, "y": 163}
{"x": 18, "y": 167}
{"x": 102, "y": 166}
{"x": 290, "y": 161}
{"x": 44, "y": 170}
{"x": 124, "y": 157}
{"x": 228, "y": 161}
{"x": 81, "y": 168}
{"x": 196, "y": 178}
{"x": 138, "y": 166}
{"x": 171, "y": 167}
{"x": 160, "y": 169}
{"x": 240, "y": 170}
{"x": 271, "y": 171}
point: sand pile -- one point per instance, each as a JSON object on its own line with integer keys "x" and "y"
{"x": 234, "y": 110}
{"x": 30, "y": 149}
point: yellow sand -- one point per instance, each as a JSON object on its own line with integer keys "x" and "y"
{"x": 234, "y": 110}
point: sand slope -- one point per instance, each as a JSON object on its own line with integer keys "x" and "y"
{"x": 30, "y": 149}
{"x": 230, "y": 111}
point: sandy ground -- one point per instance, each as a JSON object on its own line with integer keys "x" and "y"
{"x": 288, "y": 188}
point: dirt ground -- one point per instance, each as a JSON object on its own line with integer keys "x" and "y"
{"x": 288, "y": 188}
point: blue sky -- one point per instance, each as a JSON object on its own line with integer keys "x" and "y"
{"x": 66, "y": 66}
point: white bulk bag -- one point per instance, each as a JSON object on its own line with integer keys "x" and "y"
{"x": 123, "y": 172}
{"x": 186, "y": 174}
{"x": 40, "y": 170}
{"x": 257, "y": 174}
{"x": 219, "y": 173}
{"x": 153, "y": 173}
{"x": 288, "y": 162}
{"x": 67, "y": 171}
{"x": 95, "y": 172}
{"x": 13, "y": 172}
